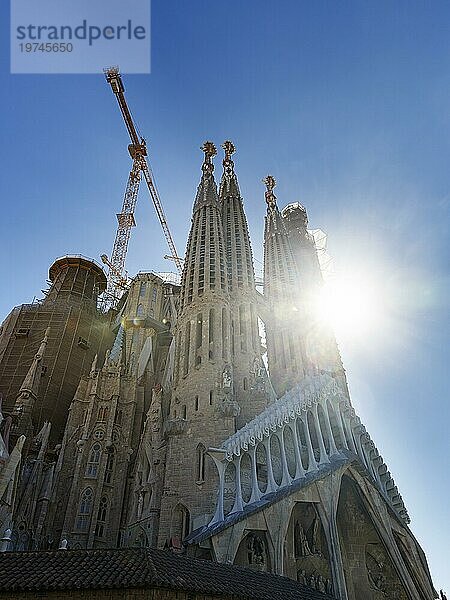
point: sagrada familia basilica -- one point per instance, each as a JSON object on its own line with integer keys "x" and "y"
{"x": 170, "y": 422}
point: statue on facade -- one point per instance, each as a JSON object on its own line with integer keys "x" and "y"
{"x": 316, "y": 543}
{"x": 226, "y": 379}
{"x": 301, "y": 546}
{"x": 321, "y": 584}
{"x": 256, "y": 551}
{"x": 301, "y": 577}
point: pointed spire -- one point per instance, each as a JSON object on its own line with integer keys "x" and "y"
{"x": 229, "y": 185}
{"x": 42, "y": 439}
{"x": 207, "y": 190}
{"x": 29, "y": 389}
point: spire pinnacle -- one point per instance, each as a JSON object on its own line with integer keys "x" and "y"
{"x": 210, "y": 151}
{"x": 227, "y": 162}
{"x": 31, "y": 381}
{"x": 271, "y": 199}
{"x": 207, "y": 190}
{"x": 229, "y": 185}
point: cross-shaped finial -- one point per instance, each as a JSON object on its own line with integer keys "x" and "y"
{"x": 270, "y": 183}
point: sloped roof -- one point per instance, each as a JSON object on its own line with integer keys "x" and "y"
{"x": 141, "y": 568}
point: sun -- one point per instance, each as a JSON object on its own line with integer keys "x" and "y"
{"x": 350, "y": 304}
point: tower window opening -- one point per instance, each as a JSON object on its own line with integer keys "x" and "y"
{"x": 187, "y": 343}
{"x": 200, "y": 470}
{"x": 211, "y": 398}
{"x": 142, "y": 289}
{"x": 198, "y": 338}
{"x": 102, "y": 414}
{"x": 184, "y": 412}
{"x": 94, "y": 461}
{"x": 244, "y": 384}
{"x": 118, "y": 417}
{"x": 101, "y": 517}
{"x": 196, "y": 403}
{"x": 140, "y": 310}
{"x": 85, "y": 509}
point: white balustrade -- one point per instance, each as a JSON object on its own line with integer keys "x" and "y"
{"x": 287, "y": 413}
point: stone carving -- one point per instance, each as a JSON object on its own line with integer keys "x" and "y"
{"x": 316, "y": 543}
{"x": 301, "y": 546}
{"x": 226, "y": 379}
{"x": 442, "y": 595}
{"x": 315, "y": 581}
{"x": 256, "y": 551}
{"x": 375, "y": 573}
{"x": 301, "y": 577}
{"x": 228, "y": 408}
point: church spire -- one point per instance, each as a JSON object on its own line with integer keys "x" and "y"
{"x": 28, "y": 392}
{"x": 229, "y": 183}
{"x": 237, "y": 240}
{"x": 204, "y": 267}
{"x": 207, "y": 189}
{"x": 246, "y": 343}
{"x": 29, "y": 389}
{"x": 281, "y": 283}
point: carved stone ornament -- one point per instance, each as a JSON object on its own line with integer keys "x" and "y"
{"x": 228, "y": 408}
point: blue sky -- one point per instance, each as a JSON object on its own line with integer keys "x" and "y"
{"x": 347, "y": 105}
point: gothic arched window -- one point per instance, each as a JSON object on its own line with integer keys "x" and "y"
{"x": 142, "y": 289}
{"x": 101, "y": 517}
{"x": 94, "y": 461}
{"x": 140, "y": 310}
{"x": 180, "y": 523}
{"x": 85, "y": 509}
{"x": 102, "y": 414}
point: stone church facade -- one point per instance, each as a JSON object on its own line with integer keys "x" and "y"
{"x": 161, "y": 424}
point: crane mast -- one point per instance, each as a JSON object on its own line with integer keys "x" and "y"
{"x": 138, "y": 151}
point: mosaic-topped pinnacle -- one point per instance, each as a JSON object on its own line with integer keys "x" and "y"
{"x": 210, "y": 151}
{"x": 270, "y": 183}
{"x": 229, "y": 148}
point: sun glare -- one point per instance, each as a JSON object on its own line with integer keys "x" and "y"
{"x": 350, "y": 305}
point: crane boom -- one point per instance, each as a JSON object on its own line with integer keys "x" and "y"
{"x": 138, "y": 152}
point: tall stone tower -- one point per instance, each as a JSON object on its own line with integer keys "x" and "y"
{"x": 245, "y": 340}
{"x": 320, "y": 345}
{"x": 203, "y": 408}
{"x": 93, "y": 463}
{"x": 285, "y": 351}
{"x": 78, "y": 331}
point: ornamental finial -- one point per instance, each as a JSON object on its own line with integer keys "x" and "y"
{"x": 210, "y": 151}
{"x": 228, "y": 164}
{"x": 270, "y": 183}
{"x": 229, "y": 148}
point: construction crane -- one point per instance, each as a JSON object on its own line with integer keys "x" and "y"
{"x": 117, "y": 279}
